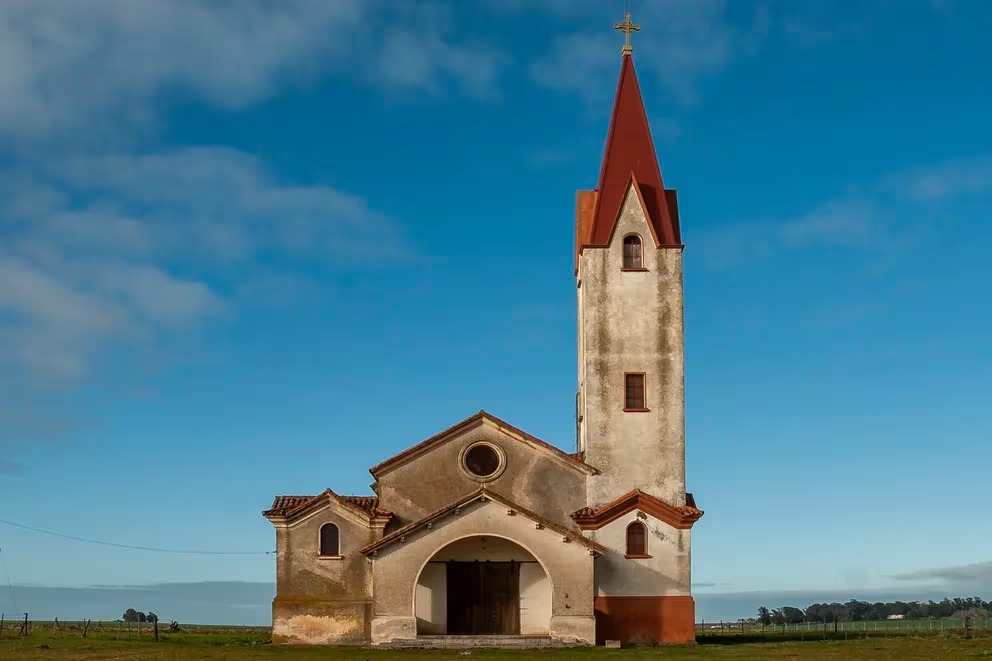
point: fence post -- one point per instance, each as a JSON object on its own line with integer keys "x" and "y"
{"x": 25, "y": 626}
{"x": 1, "y": 626}
{"x": 156, "y": 629}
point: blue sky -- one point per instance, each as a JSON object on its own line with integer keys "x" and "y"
{"x": 255, "y": 250}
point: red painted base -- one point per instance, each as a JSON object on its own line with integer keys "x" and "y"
{"x": 645, "y": 620}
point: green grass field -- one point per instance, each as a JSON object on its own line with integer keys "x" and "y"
{"x": 224, "y": 643}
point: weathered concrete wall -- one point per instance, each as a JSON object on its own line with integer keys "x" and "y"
{"x": 666, "y": 572}
{"x": 322, "y": 600}
{"x": 569, "y": 566}
{"x": 632, "y": 321}
{"x": 533, "y": 479}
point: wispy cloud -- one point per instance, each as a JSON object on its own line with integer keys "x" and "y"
{"x": 890, "y": 215}
{"x": 106, "y": 63}
{"x": 688, "y": 40}
{"x": 127, "y": 250}
{"x": 978, "y": 575}
{"x": 838, "y": 222}
{"x": 128, "y": 246}
{"x": 968, "y": 176}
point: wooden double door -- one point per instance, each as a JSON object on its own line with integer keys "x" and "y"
{"x": 483, "y": 598}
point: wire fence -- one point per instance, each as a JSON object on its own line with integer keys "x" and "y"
{"x": 15, "y": 625}
{"x": 931, "y": 626}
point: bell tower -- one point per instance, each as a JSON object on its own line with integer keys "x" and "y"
{"x": 631, "y": 401}
{"x": 630, "y": 408}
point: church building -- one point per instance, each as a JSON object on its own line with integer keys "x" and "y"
{"x": 484, "y": 530}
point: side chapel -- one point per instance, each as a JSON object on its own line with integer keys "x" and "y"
{"x": 485, "y": 530}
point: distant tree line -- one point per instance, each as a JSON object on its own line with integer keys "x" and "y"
{"x": 863, "y": 611}
{"x": 131, "y": 615}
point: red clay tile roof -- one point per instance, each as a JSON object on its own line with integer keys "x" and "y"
{"x": 677, "y": 517}
{"x": 629, "y": 154}
{"x": 290, "y": 505}
{"x": 441, "y": 436}
{"x": 283, "y": 504}
{"x": 481, "y": 494}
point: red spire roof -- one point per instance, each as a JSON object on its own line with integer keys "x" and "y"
{"x": 629, "y": 155}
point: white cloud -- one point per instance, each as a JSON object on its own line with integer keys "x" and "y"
{"x": 838, "y": 223}
{"x": 133, "y": 248}
{"x": 680, "y": 42}
{"x": 966, "y": 176}
{"x": 900, "y": 210}
{"x": 105, "y": 245}
{"x": 101, "y": 64}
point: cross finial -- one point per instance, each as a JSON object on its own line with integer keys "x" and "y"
{"x": 627, "y": 27}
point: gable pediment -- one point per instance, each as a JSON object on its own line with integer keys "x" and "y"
{"x": 291, "y": 510}
{"x": 474, "y": 499}
{"x": 472, "y": 424}
{"x": 682, "y": 517}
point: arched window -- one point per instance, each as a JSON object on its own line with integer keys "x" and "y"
{"x": 632, "y": 252}
{"x": 637, "y": 540}
{"x": 330, "y": 540}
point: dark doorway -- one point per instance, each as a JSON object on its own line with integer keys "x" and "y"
{"x": 483, "y": 598}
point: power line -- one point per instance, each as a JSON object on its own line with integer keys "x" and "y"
{"x": 13, "y": 598}
{"x": 130, "y": 546}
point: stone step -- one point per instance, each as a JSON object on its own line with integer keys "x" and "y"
{"x": 474, "y": 641}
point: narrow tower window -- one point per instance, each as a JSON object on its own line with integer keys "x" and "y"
{"x": 330, "y": 540}
{"x": 637, "y": 540}
{"x": 633, "y": 391}
{"x": 632, "y": 252}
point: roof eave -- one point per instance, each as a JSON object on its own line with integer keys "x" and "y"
{"x": 479, "y": 495}
{"x": 425, "y": 446}
{"x": 682, "y": 518}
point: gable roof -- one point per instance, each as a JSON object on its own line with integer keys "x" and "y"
{"x": 289, "y": 507}
{"x": 677, "y": 517}
{"x": 572, "y": 459}
{"x": 629, "y": 154}
{"x": 482, "y": 495}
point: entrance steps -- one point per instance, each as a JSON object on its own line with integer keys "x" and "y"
{"x": 475, "y": 641}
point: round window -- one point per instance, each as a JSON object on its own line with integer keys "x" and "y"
{"x": 482, "y": 460}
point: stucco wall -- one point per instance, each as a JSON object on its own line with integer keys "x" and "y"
{"x": 322, "y": 600}
{"x": 544, "y": 484}
{"x": 569, "y": 566}
{"x": 666, "y": 572}
{"x": 432, "y": 599}
{"x": 632, "y": 321}
{"x": 535, "y": 600}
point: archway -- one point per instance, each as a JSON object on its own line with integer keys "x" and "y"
{"x": 483, "y": 585}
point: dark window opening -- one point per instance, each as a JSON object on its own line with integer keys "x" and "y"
{"x": 633, "y": 389}
{"x": 482, "y": 461}
{"x": 330, "y": 540}
{"x": 632, "y": 253}
{"x": 637, "y": 539}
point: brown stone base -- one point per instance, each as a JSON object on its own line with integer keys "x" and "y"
{"x": 645, "y": 620}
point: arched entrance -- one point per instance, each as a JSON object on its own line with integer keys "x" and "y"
{"x": 483, "y": 585}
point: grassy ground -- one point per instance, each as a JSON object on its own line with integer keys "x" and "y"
{"x": 214, "y": 646}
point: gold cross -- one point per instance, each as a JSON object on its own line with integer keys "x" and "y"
{"x": 627, "y": 27}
